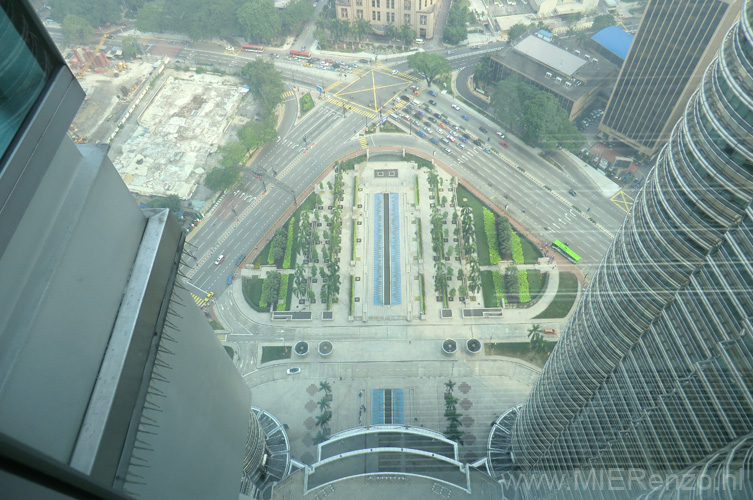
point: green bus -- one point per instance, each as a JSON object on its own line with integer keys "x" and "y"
{"x": 566, "y": 251}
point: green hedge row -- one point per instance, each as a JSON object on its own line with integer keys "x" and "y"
{"x": 421, "y": 290}
{"x": 490, "y": 227}
{"x": 263, "y": 299}
{"x": 499, "y": 285}
{"x": 419, "y": 240}
{"x": 517, "y": 248}
{"x": 525, "y": 295}
{"x": 352, "y": 292}
{"x": 284, "y": 289}
{"x": 416, "y": 182}
{"x": 355, "y": 191}
{"x": 289, "y": 245}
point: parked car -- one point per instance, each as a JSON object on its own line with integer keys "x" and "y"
{"x": 460, "y": 145}
{"x": 434, "y": 140}
{"x": 219, "y": 260}
{"x": 478, "y": 142}
{"x": 420, "y": 133}
{"x": 463, "y": 139}
{"x": 437, "y": 116}
{"x": 445, "y": 140}
{"x": 294, "y": 370}
{"x": 450, "y": 138}
{"x": 448, "y": 151}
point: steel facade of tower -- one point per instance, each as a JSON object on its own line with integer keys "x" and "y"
{"x": 674, "y": 43}
{"x": 654, "y": 373}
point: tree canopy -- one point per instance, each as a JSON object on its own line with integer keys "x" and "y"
{"x": 260, "y": 21}
{"x": 433, "y": 66}
{"x": 516, "y": 31}
{"x": 602, "y": 21}
{"x": 76, "y": 29}
{"x": 96, "y": 12}
{"x": 455, "y": 30}
{"x": 265, "y": 82}
{"x": 538, "y": 113}
{"x": 222, "y": 178}
{"x": 171, "y": 202}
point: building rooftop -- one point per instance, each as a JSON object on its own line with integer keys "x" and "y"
{"x": 549, "y": 55}
{"x": 615, "y": 40}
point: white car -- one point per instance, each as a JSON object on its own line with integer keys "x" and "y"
{"x": 455, "y": 107}
{"x": 219, "y": 260}
{"x": 501, "y": 135}
{"x": 229, "y": 47}
{"x": 450, "y": 138}
{"x": 394, "y": 72}
{"x": 460, "y": 145}
{"x": 294, "y": 370}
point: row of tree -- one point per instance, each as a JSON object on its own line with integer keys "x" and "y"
{"x": 455, "y": 30}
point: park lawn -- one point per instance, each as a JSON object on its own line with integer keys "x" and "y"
{"x": 307, "y": 104}
{"x": 252, "y": 293}
{"x": 487, "y": 289}
{"x": 567, "y": 292}
{"x": 519, "y": 350}
{"x": 274, "y": 353}
{"x": 466, "y": 199}
{"x": 531, "y": 253}
{"x": 536, "y": 283}
{"x": 215, "y": 325}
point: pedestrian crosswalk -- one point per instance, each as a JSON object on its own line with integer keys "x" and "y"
{"x": 363, "y": 142}
{"x": 202, "y": 301}
{"x": 351, "y": 107}
{"x": 287, "y": 94}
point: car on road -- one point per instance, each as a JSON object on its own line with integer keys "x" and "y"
{"x": 239, "y": 260}
{"x": 455, "y": 107}
{"x": 432, "y": 102}
{"x": 363, "y": 61}
{"x": 450, "y": 138}
{"x": 434, "y": 140}
{"x": 466, "y": 135}
{"x": 483, "y": 130}
{"x": 448, "y": 151}
{"x": 445, "y": 140}
{"x": 427, "y": 109}
{"x": 478, "y": 142}
{"x": 465, "y": 117}
{"x": 463, "y": 138}
{"x": 406, "y": 117}
{"x": 420, "y": 133}
{"x": 428, "y": 130}
{"x": 487, "y": 150}
{"x": 437, "y": 116}
{"x": 572, "y": 193}
{"x": 427, "y": 123}
{"x": 405, "y": 98}
{"x": 229, "y": 47}
{"x": 474, "y": 47}
{"x": 294, "y": 370}
{"x": 432, "y": 93}
{"x": 503, "y": 144}
{"x": 230, "y": 280}
{"x": 219, "y": 260}
{"x": 460, "y": 145}
{"x": 394, "y": 72}
{"x": 442, "y": 125}
{"x": 501, "y": 135}
{"x": 431, "y": 119}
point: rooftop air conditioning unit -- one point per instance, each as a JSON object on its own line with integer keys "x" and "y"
{"x": 559, "y": 79}
{"x": 594, "y": 60}
{"x": 568, "y": 84}
{"x": 548, "y": 74}
{"x": 588, "y": 57}
{"x": 577, "y": 52}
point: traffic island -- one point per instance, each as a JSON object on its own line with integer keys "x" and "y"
{"x": 473, "y": 346}
{"x": 325, "y": 348}
{"x": 449, "y": 347}
{"x": 302, "y": 348}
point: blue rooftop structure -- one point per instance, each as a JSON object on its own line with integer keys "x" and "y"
{"x": 615, "y": 40}
{"x": 545, "y": 35}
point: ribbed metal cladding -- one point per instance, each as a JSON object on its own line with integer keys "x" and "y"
{"x": 654, "y": 371}
{"x": 254, "y": 448}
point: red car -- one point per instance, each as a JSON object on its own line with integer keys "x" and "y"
{"x": 329, "y": 61}
{"x": 503, "y": 144}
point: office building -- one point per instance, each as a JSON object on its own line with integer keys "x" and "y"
{"x": 675, "y": 41}
{"x": 575, "y": 77}
{"x": 421, "y": 15}
{"x": 112, "y": 383}
{"x": 653, "y": 375}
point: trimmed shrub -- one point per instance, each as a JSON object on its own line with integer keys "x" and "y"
{"x": 504, "y": 235}
{"x": 517, "y": 248}
{"x": 263, "y": 298}
{"x": 416, "y": 188}
{"x": 284, "y": 288}
{"x": 499, "y": 285}
{"x": 289, "y": 244}
{"x": 524, "y": 292}
{"x": 491, "y": 236}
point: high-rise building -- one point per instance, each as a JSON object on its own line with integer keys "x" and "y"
{"x": 675, "y": 41}
{"x": 112, "y": 383}
{"x": 651, "y": 385}
{"x": 420, "y": 15}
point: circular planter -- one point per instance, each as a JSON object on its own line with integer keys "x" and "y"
{"x": 301, "y": 348}
{"x": 325, "y": 347}
{"x": 473, "y": 345}
{"x": 449, "y": 346}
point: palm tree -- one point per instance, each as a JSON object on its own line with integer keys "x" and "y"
{"x": 321, "y": 420}
{"x": 537, "y": 339}
{"x": 324, "y": 403}
{"x": 320, "y": 437}
{"x": 324, "y": 386}
{"x": 449, "y": 385}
